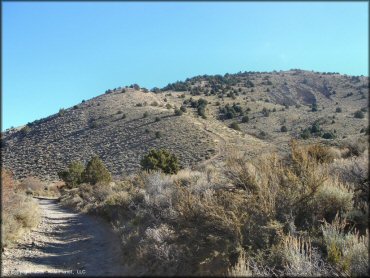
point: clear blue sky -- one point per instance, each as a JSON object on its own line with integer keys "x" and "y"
{"x": 55, "y": 54}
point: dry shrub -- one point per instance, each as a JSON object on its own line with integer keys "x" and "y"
{"x": 242, "y": 174}
{"x": 33, "y": 185}
{"x": 120, "y": 198}
{"x": 356, "y": 148}
{"x": 86, "y": 197}
{"x": 300, "y": 258}
{"x": 19, "y": 212}
{"x": 159, "y": 247}
{"x": 348, "y": 251}
{"x": 321, "y": 153}
{"x": 72, "y": 199}
{"x": 7, "y": 186}
{"x": 241, "y": 268}
{"x": 278, "y": 188}
{"x": 53, "y": 189}
{"x": 354, "y": 171}
{"x": 332, "y": 198}
{"x": 252, "y": 217}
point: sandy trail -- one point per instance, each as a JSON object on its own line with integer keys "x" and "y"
{"x": 66, "y": 242}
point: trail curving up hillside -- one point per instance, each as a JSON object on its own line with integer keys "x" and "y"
{"x": 66, "y": 242}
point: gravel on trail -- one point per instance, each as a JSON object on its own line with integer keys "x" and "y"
{"x": 65, "y": 243}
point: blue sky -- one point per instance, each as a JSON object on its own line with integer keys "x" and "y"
{"x": 55, "y": 54}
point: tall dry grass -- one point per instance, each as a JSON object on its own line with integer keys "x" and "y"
{"x": 19, "y": 211}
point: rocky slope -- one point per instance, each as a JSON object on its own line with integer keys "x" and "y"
{"x": 123, "y": 124}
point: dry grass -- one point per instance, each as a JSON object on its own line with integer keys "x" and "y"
{"x": 19, "y": 212}
{"x": 261, "y": 217}
{"x": 36, "y": 187}
{"x": 241, "y": 268}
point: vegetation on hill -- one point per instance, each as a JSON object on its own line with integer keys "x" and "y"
{"x": 118, "y": 122}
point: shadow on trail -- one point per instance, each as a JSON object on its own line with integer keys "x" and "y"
{"x": 72, "y": 243}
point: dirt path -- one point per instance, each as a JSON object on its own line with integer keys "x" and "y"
{"x": 227, "y": 139}
{"x": 66, "y": 242}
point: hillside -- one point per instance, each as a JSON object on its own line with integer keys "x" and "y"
{"x": 123, "y": 124}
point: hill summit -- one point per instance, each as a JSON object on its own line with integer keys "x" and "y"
{"x": 198, "y": 119}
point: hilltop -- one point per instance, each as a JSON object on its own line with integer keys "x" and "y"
{"x": 252, "y": 112}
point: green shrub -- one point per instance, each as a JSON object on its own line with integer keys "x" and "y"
{"x": 183, "y": 108}
{"x": 96, "y": 172}
{"x": 202, "y": 111}
{"x": 262, "y": 135}
{"x": 245, "y": 119}
{"x": 200, "y": 105}
{"x": 160, "y": 160}
{"x": 359, "y": 114}
{"x": 157, "y": 119}
{"x": 314, "y": 107}
{"x": 284, "y": 129}
{"x": 156, "y": 90}
{"x": 61, "y": 112}
{"x": 168, "y": 106}
{"x": 234, "y": 125}
{"x": 338, "y": 110}
{"x": 328, "y": 135}
{"x": 315, "y": 128}
{"x": 265, "y": 112}
{"x": 93, "y": 124}
{"x": 145, "y": 115}
{"x": 73, "y": 175}
{"x": 230, "y": 112}
{"x": 135, "y": 86}
{"x": 158, "y": 134}
{"x": 305, "y": 134}
{"x": 154, "y": 103}
{"x": 178, "y": 112}
{"x": 25, "y": 130}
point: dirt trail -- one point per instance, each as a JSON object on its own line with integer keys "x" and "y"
{"x": 227, "y": 139}
{"x": 66, "y": 243}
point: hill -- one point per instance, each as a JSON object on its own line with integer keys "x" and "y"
{"x": 121, "y": 125}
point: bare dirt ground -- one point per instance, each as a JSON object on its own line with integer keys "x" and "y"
{"x": 65, "y": 242}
